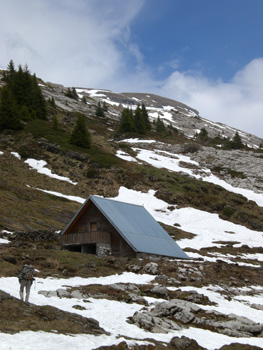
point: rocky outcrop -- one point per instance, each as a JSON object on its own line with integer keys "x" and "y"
{"x": 17, "y": 315}
{"x": 151, "y": 268}
{"x": 232, "y": 166}
{"x": 176, "y": 314}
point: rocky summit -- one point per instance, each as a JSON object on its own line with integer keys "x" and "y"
{"x": 201, "y": 180}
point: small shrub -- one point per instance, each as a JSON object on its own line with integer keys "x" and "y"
{"x": 191, "y": 147}
{"x": 228, "y": 211}
{"x": 92, "y": 173}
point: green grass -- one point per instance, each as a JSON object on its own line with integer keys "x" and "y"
{"x": 43, "y": 128}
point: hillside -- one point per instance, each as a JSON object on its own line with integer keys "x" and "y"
{"x": 207, "y": 194}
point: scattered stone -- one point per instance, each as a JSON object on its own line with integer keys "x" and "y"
{"x": 151, "y": 268}
{"x": 134, "y": 268}
{"x": 185, "y": 343}
{"x": 257, "y": 306}
{"x": 161, "y": 279}
{"x": 62, "y": 293}
{"x": 161, "y": 292}
{"x": 77, "y": 294}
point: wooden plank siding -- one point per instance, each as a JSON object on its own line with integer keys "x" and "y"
{"x": 92, "y": 227}
{"x": 85, "y": 237}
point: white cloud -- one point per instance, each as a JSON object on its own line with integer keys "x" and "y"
{"x": 237, "y": 103}
{"x": 70, "y": 42}
{"x": 87, "y": 43}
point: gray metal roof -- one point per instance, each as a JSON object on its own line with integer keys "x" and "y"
{"x": 140, "y": 230}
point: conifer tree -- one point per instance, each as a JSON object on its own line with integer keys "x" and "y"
{"x": 25, "y": 91}
{"x": 105, "y": 107}
{"x": 126, "y": 122}
{"x": 38, "y": 103}
{"x": 159, "y": 125}
{"x": 99, "y": 110}
{"x": 203, "y": 135}
{"x": 139, "y": 121}
{"x": 24, "y": 113}
{"x": 52, "y": 102}
{"x": 146, "y": 118}
{"x": 72, "y": 93}
{"x": 237, "y": 142}
{"x": 80, "y": 135}
{"x": 84, "y": 99}
{"x": 9, "y": 115}
{"x": 8, "y": 75}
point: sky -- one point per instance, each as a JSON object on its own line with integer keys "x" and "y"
{"x": 206, "y": 54}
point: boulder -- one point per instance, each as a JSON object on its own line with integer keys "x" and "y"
{"x": 185, "y": 343}
{"x": 77, "y": 294}
{"x": 62, "y": 293}
{"x": 154, "y": 324}
{"x": 159, "y": 291}
{"x": 151, "y": 268}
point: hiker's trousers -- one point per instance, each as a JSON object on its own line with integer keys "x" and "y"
{"x": 25, "y": 284}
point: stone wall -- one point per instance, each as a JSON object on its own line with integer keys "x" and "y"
{"x": 103, "y": 249}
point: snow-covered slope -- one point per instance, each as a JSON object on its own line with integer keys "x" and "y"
{"x": 208, "y": 230}
{"x": 213, "y": 244}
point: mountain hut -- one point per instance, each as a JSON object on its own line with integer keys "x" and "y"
{"x": 109, "y": 227}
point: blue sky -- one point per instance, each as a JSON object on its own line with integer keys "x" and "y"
{"x": 205, "y": 53}
{"x": 214, "y": 37}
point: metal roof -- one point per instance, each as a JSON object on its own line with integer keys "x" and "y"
{"x": 136, "y": 225}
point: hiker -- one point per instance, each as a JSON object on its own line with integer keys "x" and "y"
{"x": 26, "y": 278}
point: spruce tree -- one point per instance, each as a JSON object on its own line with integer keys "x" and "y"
{"x": 99, "y": 110}
{"x": 139, "y": 121}
{"x": 24, "y": 113}
{"x": 237, "y": 142}
{"x": 203, "y": 135}
{"x": 80, "y": 135}
{"x": 126, "y": 122}
{"x": 9, "y": 115}
{"x": 38, "y": 103}
{"x": 8, "y": 75}
{"x": 26, "y": 92}
{"x": 145, "y": 117}
{"x": 160, "y": 125}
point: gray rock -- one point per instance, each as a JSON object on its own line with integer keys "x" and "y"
{"x": 257, "y": 306}
{"x": 134, "y": 268}
{"x": 185, "y": 343}
{"x": 161, "y": 292}
{"x": 151, "y": 268}
{"x": 48, "y": 293}
{"x": 184, "y": 316}
{"x": 43, "y": 292}
{"x": 170, "y": 308}
{"x": 154, "y": 324}
{"x": 77, "y": 294}
{"x": 161, "y": 279}
{"x": 62, "y": 293}
{"x": 174, "y": 281}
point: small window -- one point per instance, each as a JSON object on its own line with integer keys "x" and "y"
{"x": 93, "y": 226}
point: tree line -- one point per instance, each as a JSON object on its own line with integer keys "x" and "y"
{"x": 235, "y": 143}
{"x": 21, "y": 98}
{"x": 138, "y": 121}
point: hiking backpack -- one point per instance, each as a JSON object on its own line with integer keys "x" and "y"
{"x": 27, "y": 273}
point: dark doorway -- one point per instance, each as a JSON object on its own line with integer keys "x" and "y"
{"x": 89, "y": 248}
{"x": 73, "y": 248}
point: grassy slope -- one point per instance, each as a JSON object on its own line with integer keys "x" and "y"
{"x": 100, "y": 173}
